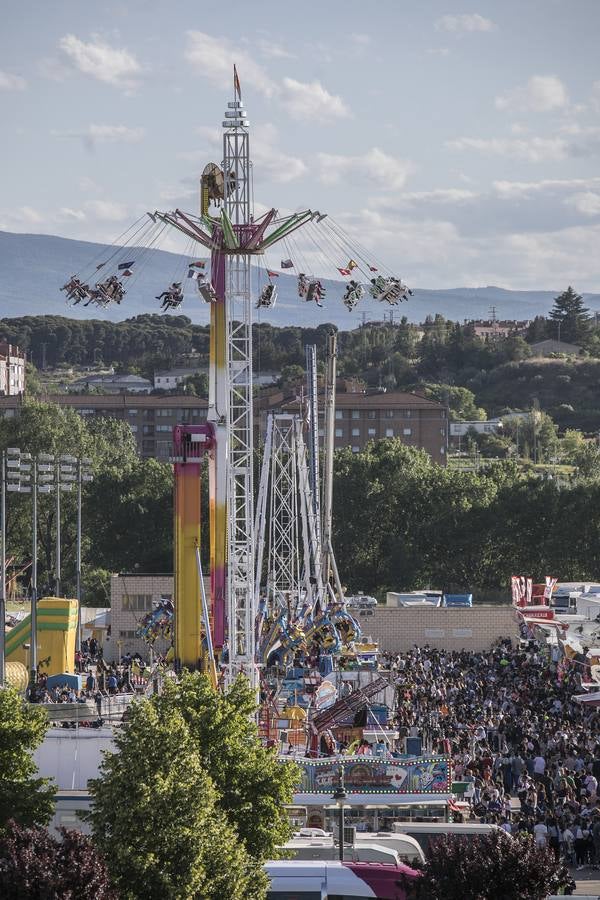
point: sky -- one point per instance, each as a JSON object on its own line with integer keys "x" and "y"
{"x": 459, "y": 142}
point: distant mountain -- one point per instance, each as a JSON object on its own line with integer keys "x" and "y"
{"x": 35, "y": 266}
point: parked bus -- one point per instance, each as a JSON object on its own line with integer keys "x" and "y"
{"x": 311, "y": 880}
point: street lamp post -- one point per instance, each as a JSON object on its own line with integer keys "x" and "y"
{"x": 340, "y": 798}
{"x": 83, "y": 475}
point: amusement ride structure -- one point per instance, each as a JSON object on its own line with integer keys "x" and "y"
{"x": 243, "y": 624}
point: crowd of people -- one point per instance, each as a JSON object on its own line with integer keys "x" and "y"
{"x": 529, "y": 753}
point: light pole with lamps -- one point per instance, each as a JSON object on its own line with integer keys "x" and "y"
{"x": 83, "y": 475}
{"x": 340, "y": 798}
{"x": 15, "y": 472}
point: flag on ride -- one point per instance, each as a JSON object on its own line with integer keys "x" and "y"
{"x": 236, "y": 84}
{"x": 344, "y": 271}
{"x": 201, "y": 264}
{"x": 127, "y": 273}
{"x": 373, "y": 269}
{"x": 352, "y": 264}
{"x": 192, "y": 274}
{"x": 100, "y": 266}
{"x": 272, "y": 274}
{"x": 287, "y": 264}
{"x": 126, "y": 265}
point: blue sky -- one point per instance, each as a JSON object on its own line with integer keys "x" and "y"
{"x": 461, "y": 142}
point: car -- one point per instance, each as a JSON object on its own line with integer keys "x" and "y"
{"x": 361, "y": 601}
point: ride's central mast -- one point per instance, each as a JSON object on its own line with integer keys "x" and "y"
{"x": 240, "y": 559}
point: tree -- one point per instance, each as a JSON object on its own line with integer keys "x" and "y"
{"x": 252, "y": 785}
{"x": 570, "y": 317}
{"x": 490, "y": 866}
{"x": 156, "y": 820}
{"x": 35, "y": 866}
{"x": 460, "y": 400}
{"x": 23, "y": 797}
{"x": 535, "y": 436}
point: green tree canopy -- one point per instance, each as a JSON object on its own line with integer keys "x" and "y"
{"x": 156, "y": 818}
{"x": 24, "y": 798}
{"x": 252, "y": 785}
{"x": 570, "y": 314}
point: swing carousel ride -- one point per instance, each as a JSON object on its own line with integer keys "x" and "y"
{"x": 275, "y": 595}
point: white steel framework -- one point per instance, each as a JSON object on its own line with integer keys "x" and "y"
{"x": 283, "y": 580}
{"x": 240, "y": 506}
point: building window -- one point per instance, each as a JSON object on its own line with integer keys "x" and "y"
{"x": 371, "y": 414}
{"x": 371, "y": 432}
{"x": 164, "y": 427}
{"x": 442, "y": 450}
{"x": 339, "y": 432}
{"x": 356, "y": 413}
{"x": 356, "y": 432}
{"x": 127, "y": 635}
{"x": 389, "y": 432}
{"x": 132, "y": 412}
{"x": 164, "y": 412}
{"x": 356, "y": 449}
{"x": 443, "y": 432}
{"x": 406, "y": 413}
{"x": 339, "y": 413}
{"x": 389, "y": 413}
{"x": 137, "y": 601}
{"x": 321, "y": 432}
{"x": 148, "y": 429}
{"x": 134, "y": 428}
{"x": 407, "y": 431}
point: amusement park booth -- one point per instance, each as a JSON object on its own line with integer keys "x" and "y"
{"x": 379, "y": 791}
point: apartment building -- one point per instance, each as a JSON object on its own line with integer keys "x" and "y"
{"x": 12, "y": 370}
{"x": 360, "y": 417}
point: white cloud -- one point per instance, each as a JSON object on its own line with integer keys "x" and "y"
{"x": 361, "y": 39}
{"x": 29, "y": 215}
{"x": 10, "y": 82}
{"x": 440, "y": 195}
{"x": 107, "y": 210}
{"x": 72, "y": 215}
{"x": 507, "y": 189}
{"x": 466, "y": 22}
{"x": 111, "y": 65}
{"x": 273, "y": 50}
{"x": 213, "y": 58}
{"x": 310, "y": 101}
{"x": 587, "y": 203}
{"x": 438, "y": 51}
{"x": 534, "y": 149}
{"x": 380, "y": 168}
{"x": 104, "y": 134}
{"x": 542, "y": 93}
{"x": 270, "y": 163}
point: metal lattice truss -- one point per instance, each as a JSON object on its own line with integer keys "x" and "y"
{"x": 294, "y": 583}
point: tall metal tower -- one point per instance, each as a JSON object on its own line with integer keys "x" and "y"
{"x": 240, "y": 506}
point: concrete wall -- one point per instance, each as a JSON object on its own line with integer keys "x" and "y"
{"x": 474, "y": 628}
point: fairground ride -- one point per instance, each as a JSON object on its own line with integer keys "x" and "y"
{"x": 223, "y": 628}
